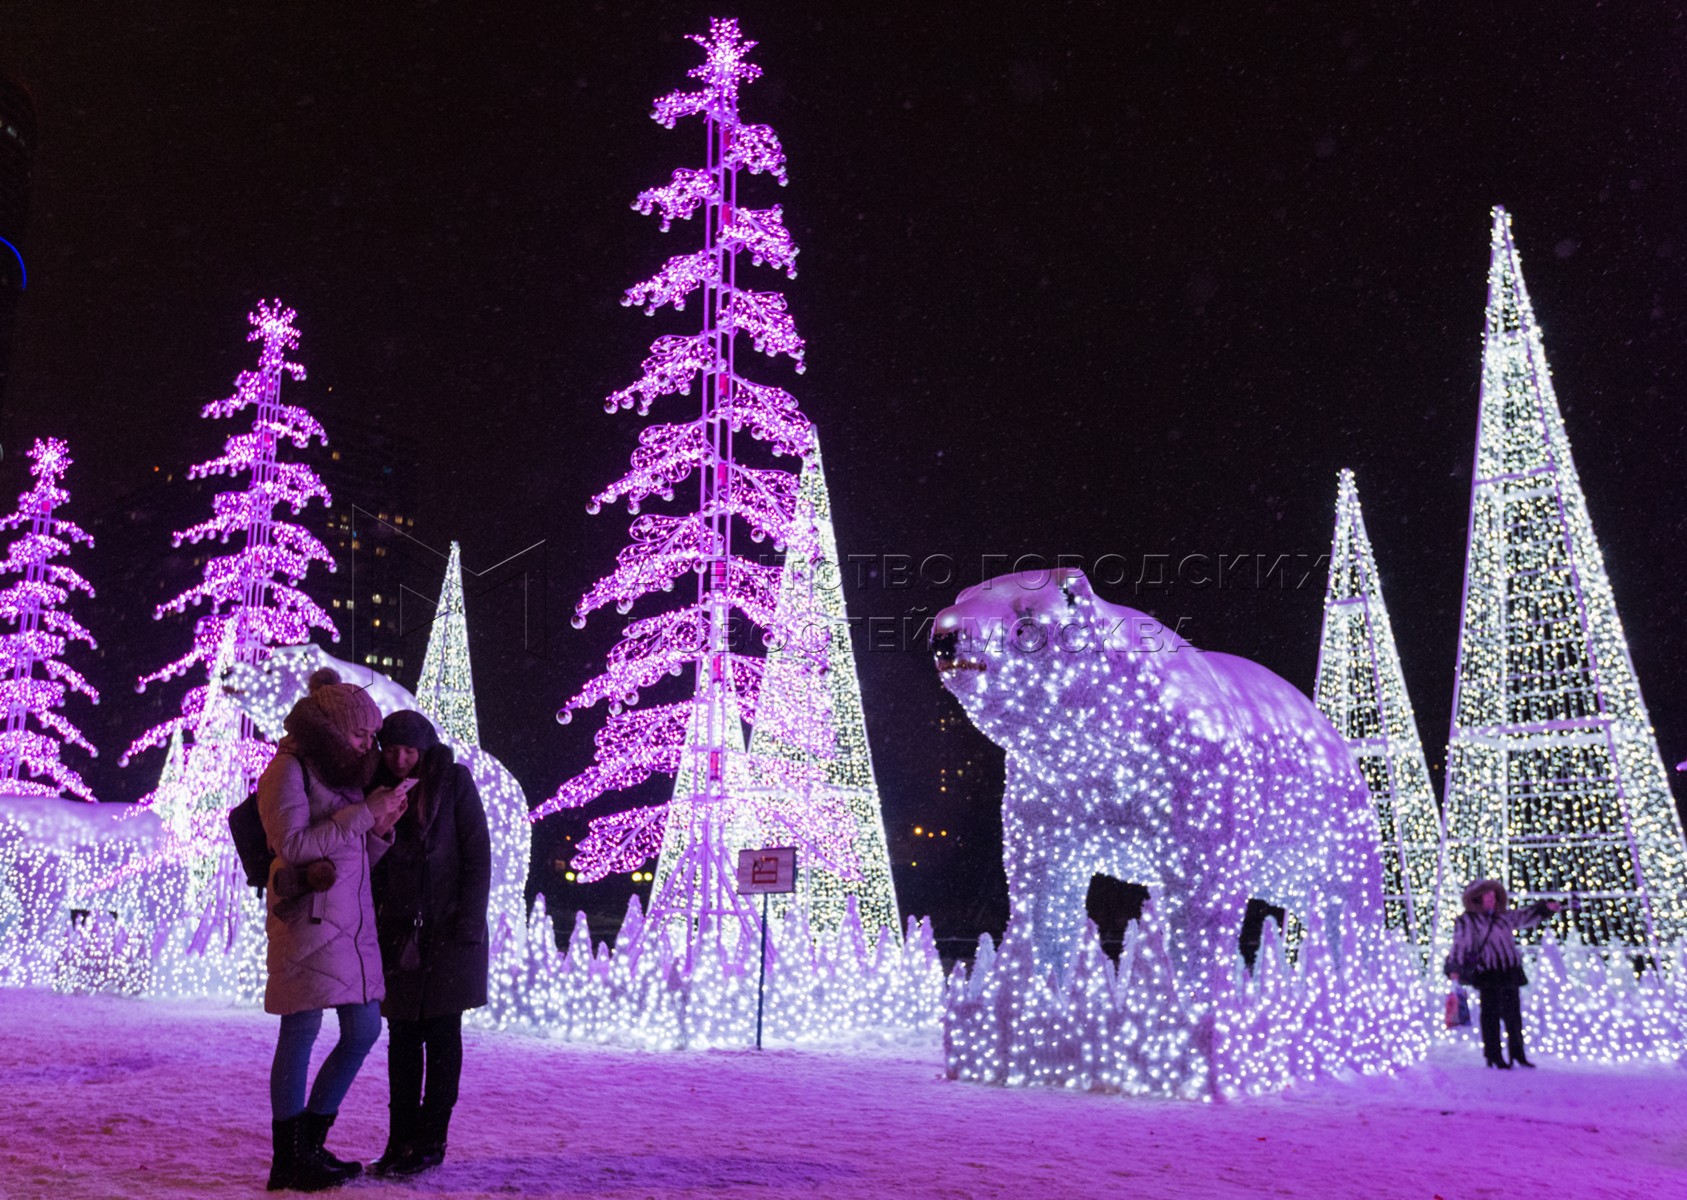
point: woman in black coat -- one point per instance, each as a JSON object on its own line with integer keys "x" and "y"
{"x": 430, "y": 912}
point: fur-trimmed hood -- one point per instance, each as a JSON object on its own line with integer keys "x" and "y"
{"x": 1473, "y": 895}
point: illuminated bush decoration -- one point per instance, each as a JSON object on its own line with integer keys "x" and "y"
{"x": 445, "y": 690}
{"x": 1362, "y": 690}
{"x": 1130, "y": 1028}
{"x": 1554, "y": 782}
{"x": 723, "y": 793}
{"x": 1132, "y": 754}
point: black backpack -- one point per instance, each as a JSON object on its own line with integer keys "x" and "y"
{"x": 250, "y": 841}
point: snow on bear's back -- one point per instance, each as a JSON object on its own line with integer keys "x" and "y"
{"x": 267, "y": 691}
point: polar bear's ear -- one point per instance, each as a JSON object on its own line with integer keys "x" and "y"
{"x": 1073, "y": 584}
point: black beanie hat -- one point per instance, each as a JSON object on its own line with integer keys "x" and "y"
{"x": 409, "y": 728}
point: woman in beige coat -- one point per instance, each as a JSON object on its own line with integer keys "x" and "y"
{"x": 323, "y": 952}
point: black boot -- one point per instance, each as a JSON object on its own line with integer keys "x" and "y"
{"x": 427, "y": 1151}
{"x": 401, "y": 1136}
{"x": 297, "y": 1164}
{"x": 1515, "y": 1044}
{"x": 1495, "y": 1060}
{"x": 316, "y": 1127}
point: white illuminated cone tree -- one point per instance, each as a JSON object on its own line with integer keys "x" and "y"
{"x": 445, "y": 691}
{"x": 34, "y": 679}
{"x": 1554, "y": 781}
{"x": 810, "y": 712}
{"x": 701, "y": 550}
{"x": 1362, "y": 690}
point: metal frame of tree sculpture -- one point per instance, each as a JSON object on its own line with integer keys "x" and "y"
{"x": 701, "y": 741}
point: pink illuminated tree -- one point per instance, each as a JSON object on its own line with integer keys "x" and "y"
{"x": 251, "y": 593}
{"x": 709, "y": 635}
{"x": 34, "y": 680}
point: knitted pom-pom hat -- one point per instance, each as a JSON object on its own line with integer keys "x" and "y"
{"x": 344, "y": 708}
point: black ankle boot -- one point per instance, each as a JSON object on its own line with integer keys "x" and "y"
{"x": 401, "y": 1136}
{"x": 1517, "y": 1060}
{"x": 297, "y": 1165}
{"x": 427, "y": 1151}
{"x": 1495, "y": 1060}
{"x": 316, "y": 1127}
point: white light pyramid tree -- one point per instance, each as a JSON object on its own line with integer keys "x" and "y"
{"x": 810, "y": 713}
{"x": 1362, "y": 690}
{"x": 700, "y": 740}
{"x": 445, "y": 691}
{"x": 1554, "y": 781}
{"x": 34, "y": 679}
{"x": 254, "y": 603}
{"x": 446, "y": 694}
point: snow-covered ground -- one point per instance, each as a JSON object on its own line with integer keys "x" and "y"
{"x": 103, "y": 1096}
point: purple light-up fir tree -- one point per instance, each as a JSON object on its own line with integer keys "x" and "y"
{"x": 252, "y": 592}
{"x": 700, "y": 740}
{"x": 34, "y": 680}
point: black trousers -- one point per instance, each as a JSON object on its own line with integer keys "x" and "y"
{"x": 1501, "y": 1002}
{"x": 430, "y": 1051}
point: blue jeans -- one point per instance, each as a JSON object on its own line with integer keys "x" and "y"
{"x": 360, "y": 1025}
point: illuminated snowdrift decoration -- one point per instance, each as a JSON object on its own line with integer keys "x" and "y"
{"x": 1132, "y": 754}
{"x": 642, "y": 993}
{"x": 1584, "y": 1005}
{"x": 52, "y": 852}
{"x": 1131, "y": 1028}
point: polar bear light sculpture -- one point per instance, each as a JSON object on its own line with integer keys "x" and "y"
{"x": 1132, "y": 754}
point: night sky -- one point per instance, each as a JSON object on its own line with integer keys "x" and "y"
{"x": 1076, "y": 279}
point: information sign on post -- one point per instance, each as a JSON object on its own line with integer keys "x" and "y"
{"x": 766, "y": 872}
{"x": 761, "y": 872}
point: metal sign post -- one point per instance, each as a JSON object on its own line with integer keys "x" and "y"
{"x": 765, "y": 872}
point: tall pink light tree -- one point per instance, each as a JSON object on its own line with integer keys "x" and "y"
{"x": 701, "y": 741}
{"x": 34, "y": 680}
{"x": 252, "y": 591}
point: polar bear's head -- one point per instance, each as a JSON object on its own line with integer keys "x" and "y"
{"x": 267, "y": 691}
{"x": 1022, "y": 652}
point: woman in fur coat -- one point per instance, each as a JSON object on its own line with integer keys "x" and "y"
{"x": 1485, "y": 956}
